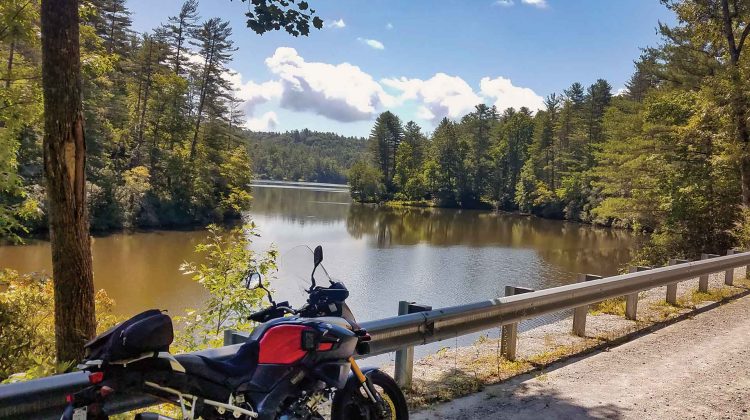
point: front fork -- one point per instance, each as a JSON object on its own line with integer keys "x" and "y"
{"x": 368, "y": 387}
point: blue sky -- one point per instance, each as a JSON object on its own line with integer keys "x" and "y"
{"x": 423, "y": 59}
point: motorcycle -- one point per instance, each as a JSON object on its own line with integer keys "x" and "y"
{"x": 294, "y": 362}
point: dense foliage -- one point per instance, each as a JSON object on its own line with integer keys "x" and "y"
{"x": 669, "y": 156}
{"x": 162, "y": 134}
{"x": 27, "y": 336}
{"x": 304, "y": 155}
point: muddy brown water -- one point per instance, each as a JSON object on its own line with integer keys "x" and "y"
{"x": 439, "y": 257}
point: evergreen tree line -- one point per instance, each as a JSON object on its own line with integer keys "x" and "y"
{"x": 162, "y": 122}
{"x": 670, "y": 156}
{"x": 304, "y": 155}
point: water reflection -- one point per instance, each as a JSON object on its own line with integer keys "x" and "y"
{"x": 574, "y": 246}
{"x": 440, "y": 257}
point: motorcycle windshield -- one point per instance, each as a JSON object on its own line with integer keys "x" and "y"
{"x": 294, "y": 275}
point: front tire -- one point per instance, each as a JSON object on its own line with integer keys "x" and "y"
{"x": 351, "y": 403}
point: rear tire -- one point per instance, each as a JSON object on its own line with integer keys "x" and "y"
{"x": 351, "y": 403}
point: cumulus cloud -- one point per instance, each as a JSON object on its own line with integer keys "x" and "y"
{"x": 252, "y": 94}
{"x": 266, "y": 122}
{"x": 503, "y": 3}
{"x": 540, "y": 4}
{"x": 506, "y": 95}
{"x": 441, "y": 95}
{"x": 336, "y": 24}
{"x": 373, "y": 43}
{"x": 341, "y": 92}
{"x": 344, "y": 92}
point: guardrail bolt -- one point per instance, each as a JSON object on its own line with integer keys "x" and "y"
{"x": 729, "y": 274}
{"x": 405, "y": 357}
{"x": 580, "y": 313}
{"x": 703, "y": 280}
{"x": 672, "y": 288}
{"x": 509, "y": 339}
{"x": 631, "y": 300}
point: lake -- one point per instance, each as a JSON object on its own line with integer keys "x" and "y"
{"x": 438, "y": 257}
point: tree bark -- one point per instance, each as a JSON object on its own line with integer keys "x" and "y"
{"x": 10, "y": 63}
{"x": 64, "y": 169}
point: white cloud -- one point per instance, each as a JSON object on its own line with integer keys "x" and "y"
{"x": 506, "y": 95}
{"x": 441, "y": 95}
{"x": 374, "y": 43}
{"x": 621, "y": 91}
{"x": 337, "y": 24}
{"x": 540, "y": 4}
{"x": 342, "y": 92}
{"x": 503, "y": 3}
{"x": 266, "y": 122}
{"x": 251, "y": 93}
{"x": 389, "y": 26}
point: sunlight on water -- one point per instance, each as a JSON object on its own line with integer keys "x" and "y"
{"x": 439, "y": 257}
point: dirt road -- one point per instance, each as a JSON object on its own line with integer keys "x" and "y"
{"x": 698, "y": 368}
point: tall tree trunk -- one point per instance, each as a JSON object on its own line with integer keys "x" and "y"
{"x": 201, "y": 100}
{"x": 12, "y": 48}
{"x": 64, "y": 169}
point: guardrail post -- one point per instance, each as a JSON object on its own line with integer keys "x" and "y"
{"x": 631, "y": 300}
{"x": 703, "y": 280}
{"x": 672, "y": 288}
{"x": 405, "y": 357}
{"x": 729, "y": 274}
{"x": 234, "y": 337}
{"x": 579, "y": 313}
{"x": 509, "y": 339}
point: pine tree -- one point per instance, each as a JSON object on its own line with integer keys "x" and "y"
{"x": 115, "y": 25}
{"x": 385, "y": 137}
{"x": 215, "y": 49}
{"x": 178, "y": 30}
{"x": 477, "y": 127}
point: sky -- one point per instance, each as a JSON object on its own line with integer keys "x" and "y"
{"x": 422, "y": 59}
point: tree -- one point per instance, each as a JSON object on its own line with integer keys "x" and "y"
{"x": 707, "y": 49}
{"x": 177, "y": 30}
{"x": 477, "y": 127}
{"x": 385, "y": 137}
{"x": 366, "y": 182}
{"x": 214, "y": 48}
{"x": 444, "y": 169}
{"x": 115, "y": 29}
{"x": 65, "y": 172}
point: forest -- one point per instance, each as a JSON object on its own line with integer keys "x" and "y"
{"x": 163, "y": 137}
{"x": 304, "y": 155}
{"x": 669, "y": 155}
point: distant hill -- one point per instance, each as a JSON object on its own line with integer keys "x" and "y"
{"x": 304, "y": 155}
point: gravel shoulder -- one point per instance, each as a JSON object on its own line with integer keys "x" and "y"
{"x": 695, "y": 368}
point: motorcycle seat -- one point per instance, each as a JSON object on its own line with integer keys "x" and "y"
{"x": 233, "y": 371}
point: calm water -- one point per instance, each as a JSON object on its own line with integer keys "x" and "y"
{"x": 439, "y": 257}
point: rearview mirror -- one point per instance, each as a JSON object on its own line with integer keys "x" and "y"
{"x": 318, "y": 255}
{"x": 253, "y": 281}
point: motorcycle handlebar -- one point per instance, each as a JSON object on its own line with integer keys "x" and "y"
{"x": 272, "y": 312}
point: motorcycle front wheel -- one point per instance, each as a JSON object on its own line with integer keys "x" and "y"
{"x": 351, "y": 403}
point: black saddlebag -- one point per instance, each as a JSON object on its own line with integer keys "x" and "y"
{"x": 149, "y": 331}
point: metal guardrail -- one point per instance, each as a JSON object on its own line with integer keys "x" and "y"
{"x": 45, "y": 398}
